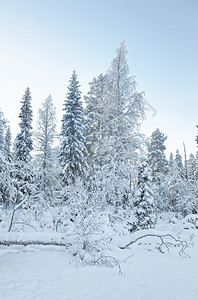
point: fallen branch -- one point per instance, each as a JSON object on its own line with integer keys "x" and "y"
{"x": 26, "y": 243}
{"x": 108, "y": 261}
{"x": 163, "y": 242}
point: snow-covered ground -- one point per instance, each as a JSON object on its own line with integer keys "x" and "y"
{"x": 52, "y": 272}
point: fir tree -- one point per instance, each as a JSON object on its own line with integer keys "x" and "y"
{"x": 73, "y": 151}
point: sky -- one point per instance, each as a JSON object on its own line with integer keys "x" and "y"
{"x": 43, "y": 41}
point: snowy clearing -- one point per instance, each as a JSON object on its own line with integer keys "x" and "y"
{"x": 51, "y": 272}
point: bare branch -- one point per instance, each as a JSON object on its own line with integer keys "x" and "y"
{"x": 163, "y": 242}
{"x": 108, "y": 261}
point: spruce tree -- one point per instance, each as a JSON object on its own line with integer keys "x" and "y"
{"x": 8, "y": 144}
{"x": 2, "y": 129}
{"x": 196, "y": 137}
{"x": 179, "y": 164}
{"x": 192, "y": 170}
{"x": 159, "y": 166}
{"x": 72, "y": 150}
{"x": 23, "y": 145}
{"x": 171, "y": 160}
{"x": 3, "y": 165}
{"x": 144, "y": 204}
{"x": 7, "y": 190}
{"x": 156, "y": 156}
{"x": 23, "y": 142}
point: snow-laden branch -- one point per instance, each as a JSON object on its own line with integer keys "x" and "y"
{"x": 172, "y": 242}
{"x": 13, "y": 212}
{"x": 33, "y": 242}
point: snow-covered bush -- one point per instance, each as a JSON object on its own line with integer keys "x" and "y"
{"x": 191, "y": 221}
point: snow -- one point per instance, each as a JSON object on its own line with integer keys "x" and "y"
{"x": 52, "y": 272}
{"x": 37, "y": 237}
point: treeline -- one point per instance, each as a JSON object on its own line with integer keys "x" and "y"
{"x": 102, "y": 161}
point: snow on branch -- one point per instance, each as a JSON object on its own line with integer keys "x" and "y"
{"x": 108, "y": 261}
{"x": 166, "y": 240}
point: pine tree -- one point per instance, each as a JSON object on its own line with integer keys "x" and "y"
{"x": 45, "y": 137}
{"x": 73, "y": 151}
{"x": 144, "y": 204}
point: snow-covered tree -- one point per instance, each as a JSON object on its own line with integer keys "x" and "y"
{"x": 23, "y": 145}
{"x": 45, "y": 137}
{"x": 94, "y": 123}
{"x": 173, "y": 188}
{"x": 2, "y": 159}
{"x": 120, "y": 143}
{"x": 72, "y": 150}
{"x": 159, "y": 165}
{"x": 2, "y": 129}
{"x": 171, "y": 160}
{"x": 156, "y": 156}
{"x": 144, "y": 205}
{"x": 23, "y": 142}
{"x": 192, "y": 168}
{"x": 179, "y": 163}
{"x": 178, "y": 193}
{"x": 95, "y": 116}
{"x": 8, "y": 143}
{"x": 196, "y": 136}
{"x": 6, "y": 185}
{"x": 196, "y": 156}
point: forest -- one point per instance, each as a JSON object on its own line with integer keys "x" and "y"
{"x": 100, "y": 176}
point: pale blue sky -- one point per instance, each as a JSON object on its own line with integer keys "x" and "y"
{"x": 41, "y": 42}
